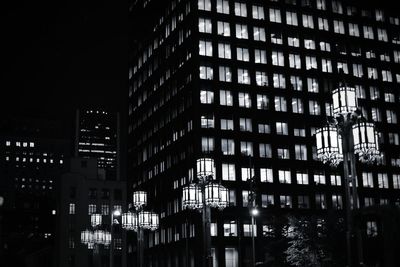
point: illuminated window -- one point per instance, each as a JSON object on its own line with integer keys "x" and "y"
{"x": 205, "y": 25}
{"x": 279, "y": 81}
{"x": 223, "y": 28}
{"x": 240, "y": 9}
{"x": 241, "y": 31}
{"x": 243, "y": 76}
{"x": 266, "y": 175}
{"x": 228, "y": 172}
{"x": 223, "y": 6}
{"x": 204, "y": 5}
{"x": 301, "y": 178}
{"x": 224, "y": 50}
{"x": 71, "y": 208}
{"x": 246, "y": 148}
{"x": 291, "y": 18}
{"x": 258, "y": 12}
{"x": 265, "y": 150}
{"x": 225, "y": 74}
{"x": 205, "y": 48}
{"x": 275, "y": 15}
{"x": 206, "y": 97}
{"x": 308, "y": 21}
{"x": 244, "y": 100}
{"x": 228, "y": 146}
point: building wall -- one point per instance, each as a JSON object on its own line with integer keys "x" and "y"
{"x": 33, "y": 156}
{"x": 82, "y": 187}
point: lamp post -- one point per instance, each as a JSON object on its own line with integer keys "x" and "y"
{"x": 346, "y": 135}
{"x": 139, "y": 220}
{"x": 115, "y": 213}
{"x": 202, "y": 195}
{"x": 253, "y": 212}
{"x": 96, "y": 237}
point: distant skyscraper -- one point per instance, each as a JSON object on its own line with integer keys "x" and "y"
{"x": 247, "y": 83}
{"x": 97, "y": 136}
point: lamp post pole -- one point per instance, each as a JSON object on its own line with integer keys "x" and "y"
{"x": 349, "y": 183}
{"x": 139, "y": 243}
{"x": 206, "y": 227}
{"x": 253, "y": 214}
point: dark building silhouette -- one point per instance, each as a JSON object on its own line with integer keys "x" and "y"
{"x": 34, "y": 153}
{"x": 248, "y": 83}
{"x": 84, "y": 192}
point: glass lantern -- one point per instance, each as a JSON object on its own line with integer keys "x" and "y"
{"x": 223, "y": 197}
{"x": 192, "y": 197}
{"x": 344, "y": 100}
{"x": 366, "y": 142}
{"x": 205, "y": 168}
{"x": 154, "y": 222}
{"x": 212, "y": 195}
{"x": 139, "y": 199}
{"x": 129, "y": 221}
{"x": 98, "y": 236}
{"x": 95, "y": 219}
{"x": 107, "y": 238}
{"x": 329, "y": 145}
{"x": 145, "y": 219}
{"x": 87, "y": 237}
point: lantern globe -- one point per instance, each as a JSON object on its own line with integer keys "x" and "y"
{"x": 98, "y": 236}
{"x": 144, "y": 219}
{"x": 154, "y": 222}
{"x": 205, "y": 168}
{"x": 192, "y": 197}
{"x": 87, "y": 237}
{"x": 366, "y": 142}
{"x": 129, "y": 221}
{"x": 107, "y": 238}
{"x": 139, "y": 199}
{"x": 344, "y": 100}
{"x": 329, "y": 145}
{"x": 95, "y": 219}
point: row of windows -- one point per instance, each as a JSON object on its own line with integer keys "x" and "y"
{"x": 240, "y": 8}
{"x": 285, "y": 177}
{"x": 21, "y": 144}
{"x": 280, "y": 104}
{"x": 260, "y": 78}
{"x": 242, "y": 32}
{"x": 246, "y": 149}
{"x": 32, "y": 160}
{"x": 259, "y": 56}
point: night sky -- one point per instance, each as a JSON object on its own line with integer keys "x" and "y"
{"x": 58, "y": 55}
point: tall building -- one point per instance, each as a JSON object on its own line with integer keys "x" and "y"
{"x": 247, "y": 83}
{"x": 97, "y": 136}
{"x": 85, "y": 192}
{"x": 34, "y": 153}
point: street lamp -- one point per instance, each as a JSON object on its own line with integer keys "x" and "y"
{"x": 348, "y": 134}
{"x": 96, "y": 237}
{"x": 139, "y": 220}
{"x": 202, "y": 195}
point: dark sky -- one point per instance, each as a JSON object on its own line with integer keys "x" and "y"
{"x": 57, "y": 55}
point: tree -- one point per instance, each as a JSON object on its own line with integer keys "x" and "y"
{"x": 304, "y": 249}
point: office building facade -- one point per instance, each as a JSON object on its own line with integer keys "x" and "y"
{"x": 247, "y": 83}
